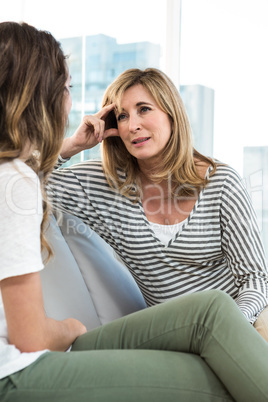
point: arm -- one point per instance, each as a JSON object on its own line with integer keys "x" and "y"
{"x": 243, "y": 247}
{"x": 90, "y": 132}
{"x": 29, "y": 329}
{"x": 21, "y": 214}
{"x": 65, "y": 190}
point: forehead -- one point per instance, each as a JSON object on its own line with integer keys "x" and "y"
{"x": 136, "y": 93}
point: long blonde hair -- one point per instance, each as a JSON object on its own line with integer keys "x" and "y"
{"x": 33, "y": 76}
{"x": 179, "y": 156}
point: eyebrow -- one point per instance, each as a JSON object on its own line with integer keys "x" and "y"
{"x": 144, "y": 103}
{"x": 141, "y": 103}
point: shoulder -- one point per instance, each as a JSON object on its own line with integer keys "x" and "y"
{"x": 16, "y": 166}
{"x": 93, "y": 169}
{"x": 78, "y": 172}
{"x": 18, "y": 176}
{"x": 225, "y": 181}
{"x": 229, "y": 186}
{"x": 226, "y": 174}
{"x": 20, "y": 193}
{"x": 89, "y": 166}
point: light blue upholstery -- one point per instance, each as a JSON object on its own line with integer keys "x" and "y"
{"x": 84, "y": 280}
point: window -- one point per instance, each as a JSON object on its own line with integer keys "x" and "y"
{"x": 103, "y": 38}
{"x": 224, "y": 68}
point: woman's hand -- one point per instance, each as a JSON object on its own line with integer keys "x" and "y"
{"x": 74, "y": 327}
{"x": 90, "y": 132}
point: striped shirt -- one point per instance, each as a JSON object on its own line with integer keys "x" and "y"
{"x": 218, "y": 247}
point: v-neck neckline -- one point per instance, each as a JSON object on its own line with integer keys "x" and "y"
{"x": 187, "y": 220}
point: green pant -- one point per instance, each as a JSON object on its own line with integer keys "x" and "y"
{"x": 182, "y": 350}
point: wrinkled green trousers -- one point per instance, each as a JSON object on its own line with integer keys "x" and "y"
{"x": 198, "y": 347}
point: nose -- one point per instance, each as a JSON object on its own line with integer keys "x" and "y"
{"x": 134, "y": 123}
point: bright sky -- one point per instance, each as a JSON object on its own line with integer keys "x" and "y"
{"x": 223, "y": 46}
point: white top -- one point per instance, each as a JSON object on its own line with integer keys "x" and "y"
{"x": 167, "y": 232}
{"x": 20, "y": 253}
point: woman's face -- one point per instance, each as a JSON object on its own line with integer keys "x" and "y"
{"x": 143, "y": 127}
{"x": 68, "y": 97}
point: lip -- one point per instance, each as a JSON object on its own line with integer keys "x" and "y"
{"x": 141, "y": 141}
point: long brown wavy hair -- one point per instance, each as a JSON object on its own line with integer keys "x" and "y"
{"x": 33, "y": 75}
{"x": 179, "y": 158}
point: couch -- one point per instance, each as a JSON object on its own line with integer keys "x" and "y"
{"x": 84, "y": 280}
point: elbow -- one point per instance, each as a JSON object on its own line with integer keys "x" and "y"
{"x": 29, "y": 344}
{"x": 33, "y": 347}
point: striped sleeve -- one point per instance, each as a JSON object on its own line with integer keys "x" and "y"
{"x": 65, "y": 192}
{"x": 243, "y": 247}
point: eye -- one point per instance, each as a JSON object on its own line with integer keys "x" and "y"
{"x": 121, "y": 116}
{"x": 145, "y": 109}
{"x": 67, "y": 88}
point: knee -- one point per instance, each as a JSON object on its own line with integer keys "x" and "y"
{"x": 220, "y": 295}
{"x": 219, "y": 299}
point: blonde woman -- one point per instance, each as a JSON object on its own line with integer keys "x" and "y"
{"x": 180, "y": 221}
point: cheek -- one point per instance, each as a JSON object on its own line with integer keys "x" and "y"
{"x": 68, "y": 104}
{"x": 70, "y": 101}
{"x": 166, "y": 124}
{"x": 122, "y": 133}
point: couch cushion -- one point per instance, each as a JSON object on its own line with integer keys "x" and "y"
{"x": 112, "y": 288}
{"x": 85, "y": 280}
{"x": 64, "y": 290}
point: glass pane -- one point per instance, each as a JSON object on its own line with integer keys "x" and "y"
{"x": 102, "y": 38}
{"x": 224, "y": 80}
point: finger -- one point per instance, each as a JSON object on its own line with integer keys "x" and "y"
{"x": 111, "y": 132}
{"x": 101, "y": 130}
{"x": 94, "y": 124}
{"x": 103, "y": 113}
{"x": 88, "y": 120}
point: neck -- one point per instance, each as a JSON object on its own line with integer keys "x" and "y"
{"x": 27, "y": 151}
{"x": 150, "y": 188}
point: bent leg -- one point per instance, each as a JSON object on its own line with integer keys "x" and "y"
{"x": 261, "y": 324}
{"x": 206, "y": 323}
{"x": 115, "y": 376}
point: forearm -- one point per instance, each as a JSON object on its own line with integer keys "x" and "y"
{"x": 29, "y": 329}
{"x": 69, "y": 148}
{"x": 47, "y": 333}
